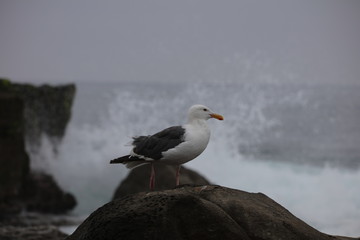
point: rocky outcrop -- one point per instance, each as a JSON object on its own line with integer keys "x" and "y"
{"x": 42, "y": 194}
{"x": 27, "y": 111}
{"x": 40, "y": 232}
{"x": 14, "y": 161}
{"x": 37, "y": 226}
{"x": 47, "y": 109}
{"x": 195, "y": 212}
{"x": 138, "y": 179}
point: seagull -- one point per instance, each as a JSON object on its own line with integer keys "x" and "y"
{"x": 172, "y": 146}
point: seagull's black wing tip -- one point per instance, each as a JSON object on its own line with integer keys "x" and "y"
{"x": 123, "y": 159}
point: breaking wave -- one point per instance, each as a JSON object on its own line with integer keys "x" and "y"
{"x": 293, "y": 143}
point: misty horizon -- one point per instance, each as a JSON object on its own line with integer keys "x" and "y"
{"x": 161, "y": 41}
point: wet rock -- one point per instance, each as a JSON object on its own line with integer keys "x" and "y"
{"x": 138, "y": 179}
{"x": 27, "y": 111}
{"x": 14, "y": 160}
{"x": 43, "y": 232}
{"x": 47, "y": 109}
{"x": 42, "y": 194}
{"x": 30, "y": 226}
{"x": 49, "y": 106}
{"x": 195, "y": 212}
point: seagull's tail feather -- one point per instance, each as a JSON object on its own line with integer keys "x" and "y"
{"x": 129, "y": 161}
{"x": 136, "y": 164}
{"x": 122, "y": 159}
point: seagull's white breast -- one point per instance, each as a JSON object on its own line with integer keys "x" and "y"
{"x": 197, "y": 135}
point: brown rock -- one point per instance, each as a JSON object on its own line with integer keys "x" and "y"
{"x": 138, "y": 179}
{"x": 14, "y": 161}
{"x": 25, "y": 108}
{"x": 202, "y": 212}
{"x": 42, "y": 194}
{"x": 43, "y": 232}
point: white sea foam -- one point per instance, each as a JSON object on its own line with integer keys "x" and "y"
{"x": 261, "y": 146}
{"x": 325, "y": 198}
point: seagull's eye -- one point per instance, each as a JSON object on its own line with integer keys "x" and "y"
{"x": 205, "y": 110}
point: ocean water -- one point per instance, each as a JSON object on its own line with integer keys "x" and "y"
{"x": 298, "y": 144}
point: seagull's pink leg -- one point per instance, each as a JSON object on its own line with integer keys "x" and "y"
{"x": 178, "y": 175}
{"x": 152, "y": 178}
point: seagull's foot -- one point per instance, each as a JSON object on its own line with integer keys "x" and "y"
{"x": 178, "y": 175}
{"x": 152, "y": 178}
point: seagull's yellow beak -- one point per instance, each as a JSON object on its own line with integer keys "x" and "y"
{"x": 217, "y": 116}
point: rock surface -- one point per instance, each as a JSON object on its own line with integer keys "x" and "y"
{"x": 47, "y": 109}
{"x": 195, "y": 212}
{"x": 40, "y": 232}
{"x": 49, "y": 106}
{"x": 25, "y": 112}
{"x": 14, "y": 161}
{"x": 138, "y": 179}
{"x": 42, "y": 194}
{"x": 37, "y": 226}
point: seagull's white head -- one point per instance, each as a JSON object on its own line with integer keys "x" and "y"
{"x": 201, "y": 112}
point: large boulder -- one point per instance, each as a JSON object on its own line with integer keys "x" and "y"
{"x": 138, "y": 179}
{"x": 42, "y": 194}
{"x": 26, "y": 112}
{"x": 47, "y": 109}
{"x": 195, "y": 212}
{"x": 14, "y": 161}
{"x": 40, "y": 232}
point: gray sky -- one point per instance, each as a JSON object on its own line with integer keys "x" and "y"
{"x": 90, "y": 40}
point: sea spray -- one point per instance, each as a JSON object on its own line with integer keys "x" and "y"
{"x": 267, "y": 143}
